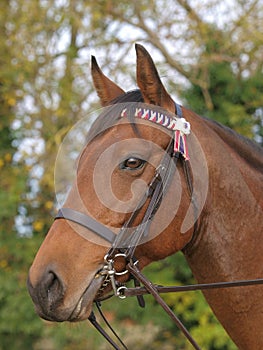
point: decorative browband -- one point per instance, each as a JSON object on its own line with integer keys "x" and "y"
{"x": 180, "y": 126}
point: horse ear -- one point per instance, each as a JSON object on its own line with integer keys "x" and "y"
{"x": 149, "y": 81}
{"x": 106, "y": 89}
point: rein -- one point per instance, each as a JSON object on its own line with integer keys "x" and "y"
{"x": 126, "y": 241}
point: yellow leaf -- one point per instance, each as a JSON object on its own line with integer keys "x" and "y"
{"x": 49, "y": 205}
{"x": 11, "y": 101}
{"x": 8, "y": 157}
{"x": 38, "y": 225}
{"x": 3, "y": 264}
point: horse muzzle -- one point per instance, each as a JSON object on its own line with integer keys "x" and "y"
{"x": 51, "y": 302}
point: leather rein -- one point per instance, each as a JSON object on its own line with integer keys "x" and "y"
{"x": 126, "y": 241}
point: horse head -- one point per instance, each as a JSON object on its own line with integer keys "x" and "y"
{"x": 115, "y": 169}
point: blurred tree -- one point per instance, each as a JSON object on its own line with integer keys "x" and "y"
{"x": 232, "y": 97}
{"x": 18, "y": 325}
{"x": 209, "y": 54}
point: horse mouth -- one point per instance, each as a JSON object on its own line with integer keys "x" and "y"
{"x": 83, "y": 308}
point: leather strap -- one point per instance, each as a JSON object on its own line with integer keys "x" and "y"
{"x": 178, "y": 110}
{"x": 137, "y": 291}
{"x": 87, "y": 222}
{"x": 94, "y": 322}
{"x": 129, "y": 237}
{"x": 154, "y": 292}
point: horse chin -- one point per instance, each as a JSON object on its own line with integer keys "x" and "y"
{"x": 83, "y": 308}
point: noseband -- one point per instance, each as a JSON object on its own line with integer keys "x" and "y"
{"x": 124, "y": 244}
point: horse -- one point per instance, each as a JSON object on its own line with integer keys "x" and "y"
{"x": 210, "y": 207}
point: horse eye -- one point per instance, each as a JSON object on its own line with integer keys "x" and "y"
{"x": 132, "y": 164}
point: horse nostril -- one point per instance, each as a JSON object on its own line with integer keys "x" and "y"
{"x": 52, "y": 287}
{"x": 51, "y": 281}
{"x": 47, "y": 294}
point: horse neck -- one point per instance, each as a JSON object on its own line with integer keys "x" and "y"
{"x": 228, "y": 245}
{"x": 246, "y": 155}
{"x": 234, "y": 206}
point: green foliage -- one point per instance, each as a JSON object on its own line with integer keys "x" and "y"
{"x": 18, "y": 324}
{"x": 234, "y": 98}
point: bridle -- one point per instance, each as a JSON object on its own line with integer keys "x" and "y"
{"x": 124, "y": 244}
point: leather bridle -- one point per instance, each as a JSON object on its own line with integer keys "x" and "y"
{"x": 124, "y": 244}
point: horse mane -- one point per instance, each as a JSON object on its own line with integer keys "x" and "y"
{"x": 111, "y": 114}
{"x": 130, "y": 96}
{"x": 247, "y": 149}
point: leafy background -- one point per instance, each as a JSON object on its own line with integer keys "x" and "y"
{"x": 209, "y": 54}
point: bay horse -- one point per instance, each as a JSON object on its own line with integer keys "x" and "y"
{"x": 210, "y": 209}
